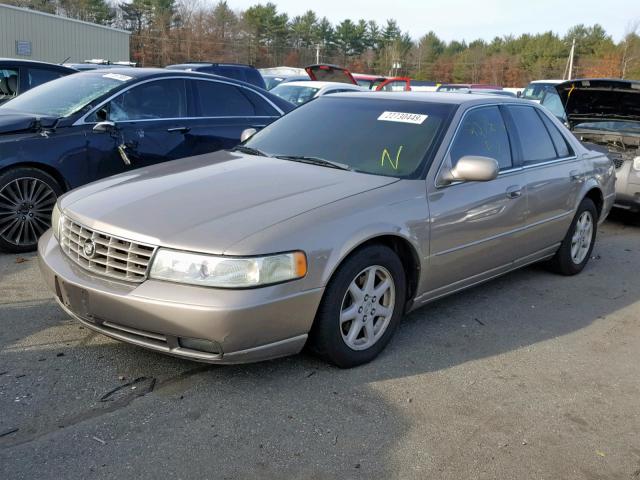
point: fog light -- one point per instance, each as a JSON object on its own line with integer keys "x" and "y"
{"x": 200, "y": 345}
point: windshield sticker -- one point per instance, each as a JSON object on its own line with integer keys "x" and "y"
{"x": 402, "y": 117}
{"x": 387, "y": 157}
{"x": 117, "y": 76}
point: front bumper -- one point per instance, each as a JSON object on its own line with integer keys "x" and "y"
{"x": 243, "y": 325}
{"x": 627, "y": 188}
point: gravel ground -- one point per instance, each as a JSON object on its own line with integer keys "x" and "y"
{"x": 531, "y": 376}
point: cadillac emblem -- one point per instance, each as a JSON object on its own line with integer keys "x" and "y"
{"x": 89, "y": 248}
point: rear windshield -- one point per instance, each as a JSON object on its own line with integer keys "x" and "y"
{"x": 383, "y": 137}
{"x": 295, "y": 94}
{"x": 535, "y": 91}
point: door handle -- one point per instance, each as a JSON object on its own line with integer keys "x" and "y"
{"x": 178, "y": 130}
{"x": 514, "y": 192}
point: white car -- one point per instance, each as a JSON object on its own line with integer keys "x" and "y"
{"x": 301, "y": 92}
{"x": 535, "y": 90}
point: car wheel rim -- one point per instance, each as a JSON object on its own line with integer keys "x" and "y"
{"x": 25, "y": 210}
{"x": 367, "y": 307}
{"x": 582, "y": 236}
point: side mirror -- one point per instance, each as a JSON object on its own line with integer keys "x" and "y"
{"x": 103, "y": 127}
{"x": 247, "y": 134}
{"x": 471, "y": 168}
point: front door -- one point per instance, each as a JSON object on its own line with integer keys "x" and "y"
{"x": 474, "y": 225}
{"x": 151, "y": 124}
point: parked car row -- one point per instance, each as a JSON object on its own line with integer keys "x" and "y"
{"x": 285, "y": 222}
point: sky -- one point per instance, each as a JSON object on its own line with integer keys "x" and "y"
{"x": 469, "y": 20}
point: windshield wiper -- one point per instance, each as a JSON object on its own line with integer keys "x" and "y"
{"x": 315, "y": 161}
{"x": 250, "y": 151}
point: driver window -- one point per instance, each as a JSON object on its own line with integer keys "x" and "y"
{"x": 483, "y": 133}
{"x": 161, "y": 99}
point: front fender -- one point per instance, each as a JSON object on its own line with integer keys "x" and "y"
{"x": 328, "y": 234}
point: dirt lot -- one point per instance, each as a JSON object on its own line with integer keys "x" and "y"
{"x": 529, "y": 376}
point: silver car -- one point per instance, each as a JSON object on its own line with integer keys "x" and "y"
{"x": 605, "y": 115}
{"x": 324, "y": 228}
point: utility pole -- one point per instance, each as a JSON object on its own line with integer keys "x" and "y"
{"x": 317, "y": 53}
{"x": 573, "y": 49}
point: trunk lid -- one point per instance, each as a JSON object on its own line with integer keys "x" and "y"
{"x": 330, "y": 73}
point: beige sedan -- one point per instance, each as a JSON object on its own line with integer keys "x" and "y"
{"x": 324, "y": 228}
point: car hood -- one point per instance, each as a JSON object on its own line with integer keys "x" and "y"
{"x": 600, "y": 100}
{"x": 210, "y": 202}
{"x": 14, "y": 122}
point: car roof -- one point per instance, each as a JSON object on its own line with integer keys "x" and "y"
{"x": 33, "y": 63}
{"x": 320, "y": 84}
{"x": 433, "y": 97}
{"x": 208, "y": 64}
{"x": 547, "y": 81}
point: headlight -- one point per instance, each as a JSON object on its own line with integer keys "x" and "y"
{"x": 636, "y": 164}
{"x": 56, "y": 216}
{"x": 227, "y": 272}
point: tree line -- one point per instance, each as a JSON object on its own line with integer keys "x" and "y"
{"x": 174, "y": 31}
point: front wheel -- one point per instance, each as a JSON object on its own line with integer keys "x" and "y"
{"x": 27, "y": 196}
{"x": 576, "y": 248}
{"x": 361, "y": 308}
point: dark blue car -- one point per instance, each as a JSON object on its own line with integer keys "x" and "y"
{"x": 93, "y": 124}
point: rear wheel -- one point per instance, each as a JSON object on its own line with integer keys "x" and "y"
{"x": 361, "y": 308}
{"x": 576, "y": 248}
{"x": 27, "y": 196}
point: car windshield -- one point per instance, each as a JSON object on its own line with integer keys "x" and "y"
{"x": 296, "y": 94}
{"x": 67, "y": 95}
{"x": 535, "y": 91}
{"x": 382, "y": 137}
{"x": 611, "y": 126}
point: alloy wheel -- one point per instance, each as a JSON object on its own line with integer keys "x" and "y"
{"x": 25, "y": 210}
{"x": 582, "y": 237}
{"x": 367, "y": 307}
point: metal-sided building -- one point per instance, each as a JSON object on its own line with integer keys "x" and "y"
{"x": 31, "y": 35}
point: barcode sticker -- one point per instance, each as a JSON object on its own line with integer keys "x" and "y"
{"x": 403, "y": 117}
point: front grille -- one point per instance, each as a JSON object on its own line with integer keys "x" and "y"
{"x": 113, "y": 257}
{"x": 618, "y": 162}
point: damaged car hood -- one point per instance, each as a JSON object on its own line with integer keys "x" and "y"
{"x": 210, "y": 202}
{"x": 600, "y": 100}
{"x": 14, "y": 122}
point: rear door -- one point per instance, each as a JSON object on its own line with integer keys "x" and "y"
{"x": 475, "y": 225}
{"x": 223, "y": 111}
{"x": 554, "y": 175}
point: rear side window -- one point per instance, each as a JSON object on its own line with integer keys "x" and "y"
{"x": 8, "y": 83}
{"x": 534, "y": 139}
{"x": 262, "y": 107}
{"x": 483, "y": 133}
{"x": 217, "y": 99}
{"x": 38, "y": 76}
{"x": 562, "y": 148}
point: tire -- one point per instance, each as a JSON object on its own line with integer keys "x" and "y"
{"x": 27, "y": 196}
{"x": 567, "y": 261}
{"x": 330, "y": 336}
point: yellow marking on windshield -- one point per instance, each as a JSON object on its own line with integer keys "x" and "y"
{"x": 387, "y": 156}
